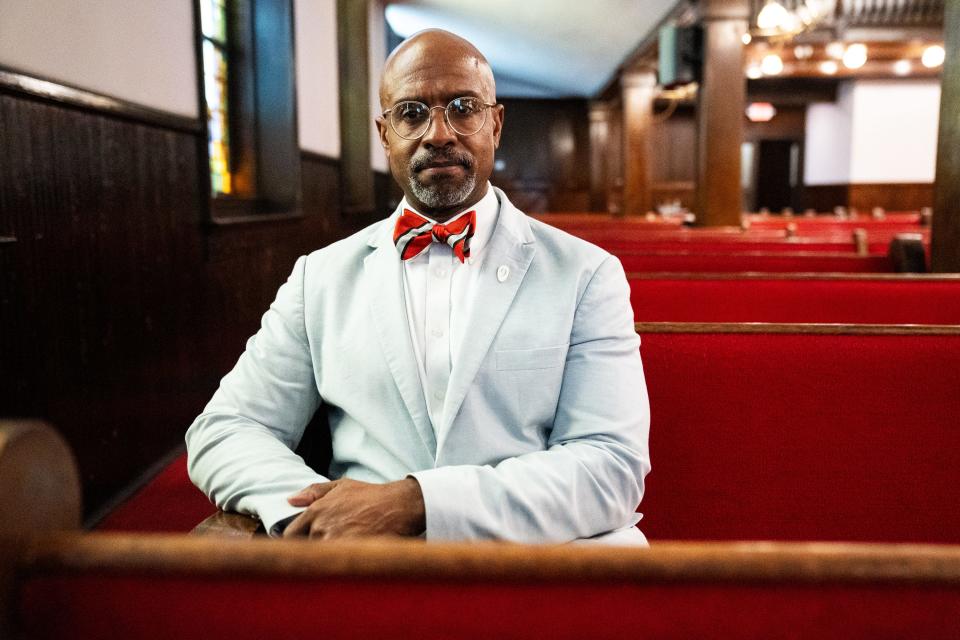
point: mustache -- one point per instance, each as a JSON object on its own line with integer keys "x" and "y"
{"x": 426, "y": 157}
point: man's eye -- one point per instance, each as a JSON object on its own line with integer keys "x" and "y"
{"x": 463, "y": 106}
{"x": 411, "y": 111}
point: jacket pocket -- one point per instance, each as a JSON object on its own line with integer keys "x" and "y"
{"x": 541, "y": 358}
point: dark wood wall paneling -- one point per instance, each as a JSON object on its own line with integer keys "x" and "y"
{"x": 890, "y": 196}
{"x": 544, "y": 155}
{"x": 120, "y": 305}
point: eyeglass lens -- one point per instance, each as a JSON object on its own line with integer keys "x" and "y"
{"x": 412, "y": 119}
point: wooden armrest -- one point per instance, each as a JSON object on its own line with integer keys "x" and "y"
{"x": 227, "y": 524}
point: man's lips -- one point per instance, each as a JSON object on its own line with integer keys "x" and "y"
{"x": 441, "y": 165}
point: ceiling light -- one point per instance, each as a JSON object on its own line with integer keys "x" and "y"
{"x": 754, "y": 72}
{"x": 771, "y": 64}
{"x": 803, "y": 51}
{"x": 933, "y": 56}
{"x": 746, "y": 38}
{"x": 835, "y": 50}
{"x": 855, "y": 56}
{"x": 760, "y": 112}
{"x": 902, "y": 67}
{"x": 829, "y": 67}
{"x": 773, "y": 16}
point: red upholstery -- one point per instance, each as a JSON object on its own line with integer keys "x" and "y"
{"x": 169, "y": 502}
{"x": 762, "y": 262}
{"x": 92, "y": 606}
{"x": 803, "y": 437}
{"x": 792, "y": 300}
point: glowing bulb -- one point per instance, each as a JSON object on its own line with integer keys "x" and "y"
{"x": 754, "y": 72}
{"x": 803, "y": 51}
{"x": 771, "y": 64}
{"x": 933, "y": 56}
{"x": 835, "y": 50}
{"x": 855, "y": 56}
{"x": 829, "y": 67}
{"x": 772, "y": 16}
{"x": 902, "y": 67}
{"x": 746, "y": 38}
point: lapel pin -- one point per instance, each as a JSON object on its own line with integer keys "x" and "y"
{"x": 502, "y": 272}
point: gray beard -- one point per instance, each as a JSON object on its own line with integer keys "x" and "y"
{"x": 444, "y": 194}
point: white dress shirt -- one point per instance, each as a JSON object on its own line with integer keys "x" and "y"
{"x": 438, "y": 290}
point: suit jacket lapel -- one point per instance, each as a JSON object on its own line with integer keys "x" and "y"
{"x": 383, "y": 282}
{"x": 511, "y": 246}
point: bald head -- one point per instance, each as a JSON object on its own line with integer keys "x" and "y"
{"x": 413, "y": 59}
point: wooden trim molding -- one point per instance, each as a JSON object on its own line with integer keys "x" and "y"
{"x": 404, "y": 559}
{"x": 800, "y": 328}
{"x": 16, "y": 82}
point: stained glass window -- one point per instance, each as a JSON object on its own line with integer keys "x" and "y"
{"x": 213, "y": 23}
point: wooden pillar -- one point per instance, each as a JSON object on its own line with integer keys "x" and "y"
{"x": 945, "y": 233}
{"x": 720, "y": 109}
{"x": 599, "y": 155}
{"x": 356, "y": 174}
{"x": 638, "y": 90}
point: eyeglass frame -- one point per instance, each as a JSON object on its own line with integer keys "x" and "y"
{"x": 446, "y": 118}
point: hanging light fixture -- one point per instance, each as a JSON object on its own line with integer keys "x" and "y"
{"x": 933, "y": 56}
{"x": 829, "y": 67}
{"x": 902, "y": 67}
{"x": 773, "y": 17}
{"x": 771, "y": 64}
{"x": 855, "y": 56}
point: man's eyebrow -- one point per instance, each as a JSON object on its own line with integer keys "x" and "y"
{"x": 466, "y": 93}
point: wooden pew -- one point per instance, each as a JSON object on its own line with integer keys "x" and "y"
{"x": 753, "y": 261}
{"x": 138, "y": 586}
{"x": 860, "y": 298}
{"x": 803, "y": 432}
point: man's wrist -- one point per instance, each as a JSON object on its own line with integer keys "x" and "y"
{"x": 413, "y": 508}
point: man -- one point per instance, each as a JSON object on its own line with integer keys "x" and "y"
{"x": 480, "y": 370}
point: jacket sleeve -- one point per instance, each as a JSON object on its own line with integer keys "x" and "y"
{"x": 240, "y": 449}
{"x": 590, "y": 478}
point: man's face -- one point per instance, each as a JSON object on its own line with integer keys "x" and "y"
{"x": 442, "y": 172}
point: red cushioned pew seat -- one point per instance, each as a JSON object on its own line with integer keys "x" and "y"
{"x": 168, "y": 502}
{"x": 803, "y": 435}
{"x": 789, "y": 298}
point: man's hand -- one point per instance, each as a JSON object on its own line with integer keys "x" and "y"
{"x": 349, "y": 508}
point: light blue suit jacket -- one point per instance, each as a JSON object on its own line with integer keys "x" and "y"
{"x": 544, "y": 430}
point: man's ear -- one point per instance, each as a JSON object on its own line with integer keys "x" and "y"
{"x": 382, "y": 130}
{"x": 497, "y": 124}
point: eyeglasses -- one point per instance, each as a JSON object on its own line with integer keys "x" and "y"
{"x": 411, "y": 119}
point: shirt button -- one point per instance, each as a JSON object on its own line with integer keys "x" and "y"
{"x": 437, "y": 333}
{"x": 440, "y": 273}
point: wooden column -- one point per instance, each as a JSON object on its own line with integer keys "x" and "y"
{"x": 600, "y": 143}
{"x": 945, "y": 234}
{"x": 720, "y": 109}
{"x": 356, "y": 175}
{"x": 638, "y": 90}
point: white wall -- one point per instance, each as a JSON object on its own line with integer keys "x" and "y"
{"x": 879, "y": 131}
{"x": 318, "y": 91}
{"x": 377, "y": 38}
{"x": 895, "y": 131}
{"x": 140, "y": 51}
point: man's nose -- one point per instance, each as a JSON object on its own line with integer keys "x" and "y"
{"x": 439, "y": 133}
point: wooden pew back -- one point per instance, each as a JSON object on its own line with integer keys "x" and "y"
{"x": 867, "y": 298}
{"x": 98, "y": 586}
{"x": 803, "y": 432}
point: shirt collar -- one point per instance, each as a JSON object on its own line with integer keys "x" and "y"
{"x": 487, "y": 209}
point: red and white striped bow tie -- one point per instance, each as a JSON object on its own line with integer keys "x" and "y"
{"x": 414, "y": 233}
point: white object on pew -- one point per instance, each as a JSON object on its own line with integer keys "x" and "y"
{"x": 879, "y": 213}
{"x": 787, "y": 212}
{"x": 791, "y": 230}
{"x": 860, "y": 242}
{"x": 810, "y": 213}
{"x": 840, "y": 212}
{"x": 926, "y": 216}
